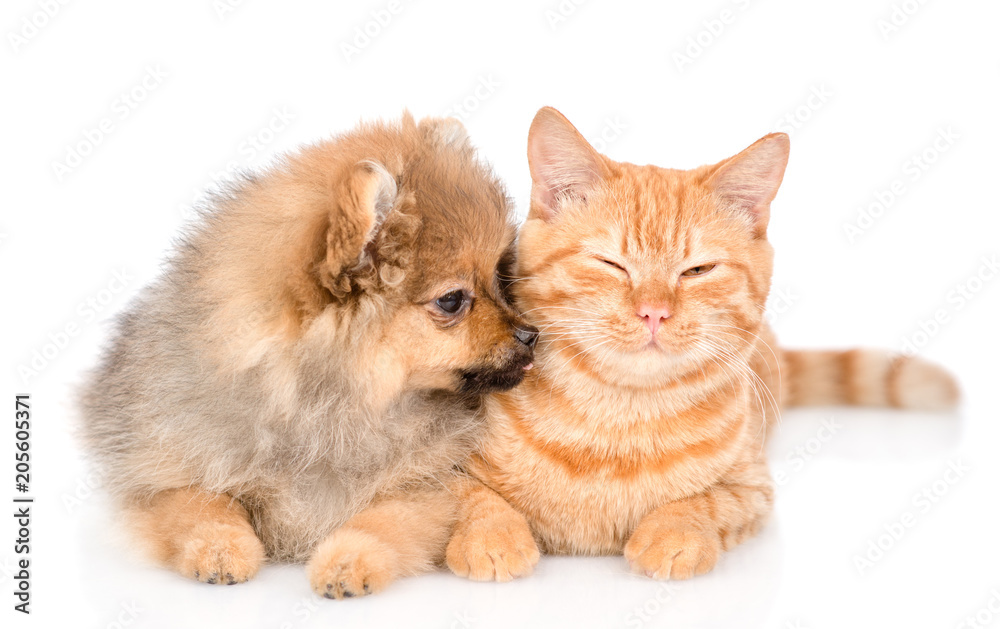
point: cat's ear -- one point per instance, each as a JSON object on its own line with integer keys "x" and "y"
{"x": 749, "y": 181}
{"x": 563, "y": 164}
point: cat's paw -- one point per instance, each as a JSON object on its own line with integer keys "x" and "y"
{"x": 662, "y": 552}
{"x": 351, "y": 563}
{"x": 221, "y": 553}
{"x": 493, "y": 549}
{"x": 736, "y": 536}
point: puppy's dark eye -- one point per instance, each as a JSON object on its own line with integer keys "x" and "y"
{"x": 452, "y": 302}
{"x": 698, "y": 270}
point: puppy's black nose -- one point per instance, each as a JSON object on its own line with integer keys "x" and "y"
{"x": 527, "y": 335}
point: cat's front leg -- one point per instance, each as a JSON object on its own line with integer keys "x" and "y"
{"x": 491, "y": 541}
{"x": 684, "y": 538}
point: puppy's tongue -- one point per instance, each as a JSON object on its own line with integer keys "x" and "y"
{"x": 529, "y": 366}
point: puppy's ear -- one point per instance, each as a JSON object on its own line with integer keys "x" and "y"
{"x": 444, "y": 132}
{"x": 363, "y": 201}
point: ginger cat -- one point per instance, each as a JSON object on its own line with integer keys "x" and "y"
{"x": 640, "y": 430}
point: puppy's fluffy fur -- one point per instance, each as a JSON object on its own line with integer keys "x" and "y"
{"x": 293, "y": 370}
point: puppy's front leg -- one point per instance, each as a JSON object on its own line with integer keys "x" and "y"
{"x": 202, "y": 535}
{"x": 399, "y": 535}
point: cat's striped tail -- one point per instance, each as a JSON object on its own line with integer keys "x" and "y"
{"x": 865, "y": 377}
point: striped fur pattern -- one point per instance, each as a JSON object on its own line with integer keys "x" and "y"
{"x": 638, "y": 436}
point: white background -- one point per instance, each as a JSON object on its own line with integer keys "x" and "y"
{"x": 613, "y": 68}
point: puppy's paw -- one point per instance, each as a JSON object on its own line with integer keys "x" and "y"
{"x": 664, "y": 552}
{"x": 221, "y": 553}
{"x": 499, "y": 549}
{"x": 351, "y": 563}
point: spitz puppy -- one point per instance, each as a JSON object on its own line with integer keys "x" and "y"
{"x": 301, "y": 380}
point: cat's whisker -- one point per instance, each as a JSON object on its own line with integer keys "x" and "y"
{"x": 716, "y": 355}
{"x": 590, "y": 312}
{"x": 561, "y": 331}
{"x": 566, "y": 325}
{"x": 562, "y": 327}
{"x": 750, "y": 345}
{"x": 589, "y": 349}
{"x": 760, "y": 386}
{"x": 757, "y": 384}
{"x": 569, "y": 322}
{"x": 755, "y": 350}
{"x": 722, "y": 364}
{"x": 564, "y": 331}
{"x": 772, "y": 402}
{"x": 745, "y": 382}
{"x": 762, "y": 341}
{"x": 604, "y": 359}
{"x": 512, "y": 280}
{"x": 768, "y": 396}
{"x": 575, "y": 340}
{"x": 732, "y": 327}
{"x": 777, "y": 418}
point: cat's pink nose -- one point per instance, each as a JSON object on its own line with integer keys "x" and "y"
{"x": 654, "y": 315}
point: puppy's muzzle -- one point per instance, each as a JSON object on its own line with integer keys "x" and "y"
{"x": 510, "y": 371}
{"x": 527, "y": 335}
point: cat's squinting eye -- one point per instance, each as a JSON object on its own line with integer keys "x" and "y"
{"x": 698, "y": 270}
{"x": 612, "y": 264}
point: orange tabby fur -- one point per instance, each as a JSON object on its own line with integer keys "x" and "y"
{"x": 638, "y": 436}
